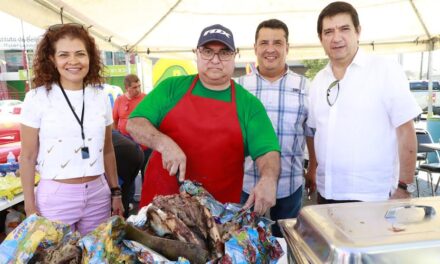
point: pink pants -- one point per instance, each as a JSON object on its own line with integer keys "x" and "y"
{"x": 83, "y": 206}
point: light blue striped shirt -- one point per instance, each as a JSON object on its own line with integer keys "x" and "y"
{"x": 286, "y": 104}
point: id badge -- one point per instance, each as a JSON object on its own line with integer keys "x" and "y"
{"x": 85, "y": 152}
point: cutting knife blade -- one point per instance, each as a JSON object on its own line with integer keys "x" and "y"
{"x": 179, "y": 182}
{"x": 242, "y": 212}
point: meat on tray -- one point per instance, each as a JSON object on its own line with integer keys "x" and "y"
{"x": 182, "y": 217}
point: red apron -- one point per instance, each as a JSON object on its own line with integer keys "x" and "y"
{"x": 208, "y": 131}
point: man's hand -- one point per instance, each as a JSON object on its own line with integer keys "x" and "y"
{"x": 310, "y": 175}
{"x": 310, "y": 182}
{"x": 173, "y": 157}
{"x": 263, "y": 196}
{"x": 400, "y": 194}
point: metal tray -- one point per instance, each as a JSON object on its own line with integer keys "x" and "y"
{"x": 394, "y": 231}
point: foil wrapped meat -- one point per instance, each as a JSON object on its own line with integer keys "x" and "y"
{"x": 185, "y": 218}
{"x": 220, "y": 233}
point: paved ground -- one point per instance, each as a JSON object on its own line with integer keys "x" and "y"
{"x": 425, "y": 187}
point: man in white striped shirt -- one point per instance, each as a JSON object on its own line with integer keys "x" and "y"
{"x": 284, "y": 95}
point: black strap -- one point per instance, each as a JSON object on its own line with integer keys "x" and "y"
{"x": 80, "y": 121}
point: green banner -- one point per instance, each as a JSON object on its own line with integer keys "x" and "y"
{"x": 108, "y": 71}
{"x": 118, "y": 70}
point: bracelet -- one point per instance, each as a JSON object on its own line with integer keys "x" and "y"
{"x": 115, "y": 188}
{"x": 116, "y": 191}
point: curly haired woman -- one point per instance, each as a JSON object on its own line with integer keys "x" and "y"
{"x": 66, "y": 130}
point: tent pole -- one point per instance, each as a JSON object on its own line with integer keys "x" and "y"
{"x": 419, "y": 17}
{"x": 430, "y": 49}
{"x": 28, "y": 74}
{"x": 139, "y": 71}
{"x": 428, "y": 76}
{"x": 127, "y": 63}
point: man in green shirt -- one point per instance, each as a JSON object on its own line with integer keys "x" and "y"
{"x": 202, "y": 127}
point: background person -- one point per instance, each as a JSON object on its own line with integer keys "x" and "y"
{"x": 127, "y": 102}
{"x": 129, "y": 160}
{"x": 66, "y": 129}
{"x": 363, "y": 113}
{"x": 203, "y": 126}
{"x": 124, "y": 105}
{"x": 127, "y": 151}
{"x": 284, "y": 95}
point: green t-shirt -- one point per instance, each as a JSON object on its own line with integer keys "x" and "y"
{"x": 258, "y": 134}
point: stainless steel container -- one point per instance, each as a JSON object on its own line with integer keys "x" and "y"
{"x": 395, "y": 231}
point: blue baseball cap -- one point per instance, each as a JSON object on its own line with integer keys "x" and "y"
{"x": 218, "y": 33}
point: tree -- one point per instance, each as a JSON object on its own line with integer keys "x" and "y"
{"x": 314, "y": 66}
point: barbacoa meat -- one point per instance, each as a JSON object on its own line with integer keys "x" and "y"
{"x": 164, "y": 223}
{"x": 198, "y": 220}
{"x": 187, "y": 209}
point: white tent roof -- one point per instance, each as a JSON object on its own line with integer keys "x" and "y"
{"x": 170, "y": 28}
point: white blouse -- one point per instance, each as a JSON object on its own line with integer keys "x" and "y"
{"x": 60, "y": 141}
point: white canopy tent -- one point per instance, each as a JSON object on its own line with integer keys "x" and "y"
{"x": 170, "y": 28}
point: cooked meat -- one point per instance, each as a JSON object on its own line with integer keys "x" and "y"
{"x": 187, "y": 209}
{"x": 164, "y": 223}
{"x": 196, "y": 217}
{"x": 215, "y": 243}
{"x": 187, "y": 217}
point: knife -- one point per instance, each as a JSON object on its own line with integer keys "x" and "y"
{"x": 241, "y": 213}
{"x": 179, "y": 182}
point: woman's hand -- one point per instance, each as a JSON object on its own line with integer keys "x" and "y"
{"x": 117, "y": 207}
{"x": 30, "y": 209}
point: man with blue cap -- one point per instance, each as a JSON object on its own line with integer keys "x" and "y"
{"x": 203, "y": 126}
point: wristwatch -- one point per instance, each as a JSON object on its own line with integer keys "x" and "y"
{"x": 409, "y": 187}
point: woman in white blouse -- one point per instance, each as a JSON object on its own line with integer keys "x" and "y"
{"x": 66, "y": 130}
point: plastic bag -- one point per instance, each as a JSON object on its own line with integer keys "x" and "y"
{"x": 252, "y": 245}
{"x": 20, "y": 245}
{"x": 104, "y": 244}
{"x": 10, "y": 186}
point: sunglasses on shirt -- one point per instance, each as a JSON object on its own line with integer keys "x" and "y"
{"x": 332, "y": 93}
